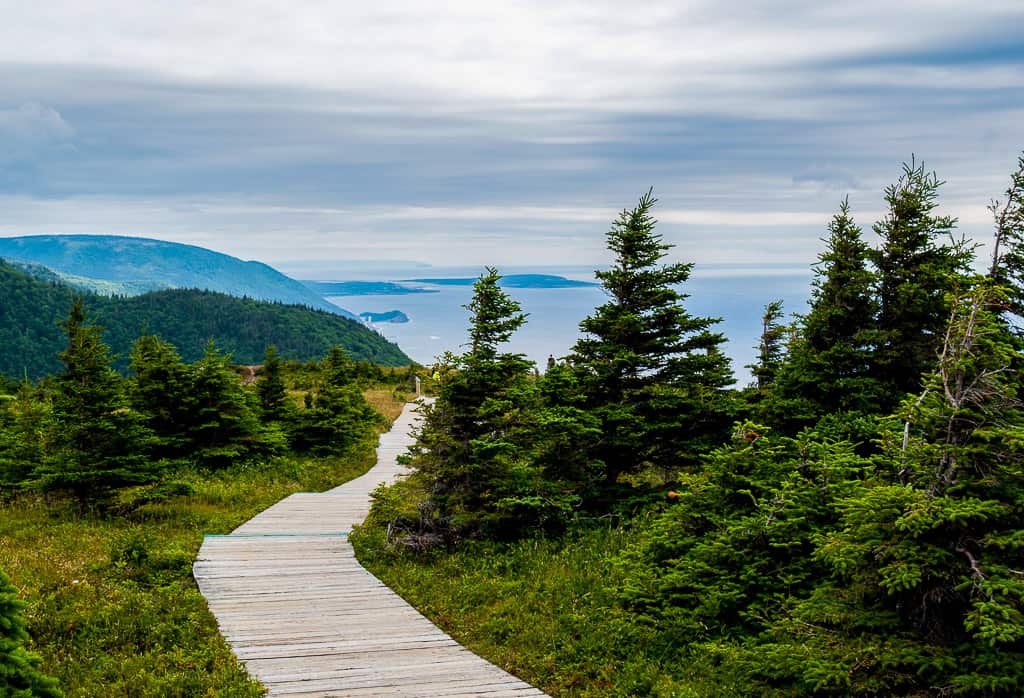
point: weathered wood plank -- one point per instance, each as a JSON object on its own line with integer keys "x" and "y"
{"x": 307, "y": 619}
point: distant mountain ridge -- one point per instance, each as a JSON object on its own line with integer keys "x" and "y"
{"x": 120, "y": 265}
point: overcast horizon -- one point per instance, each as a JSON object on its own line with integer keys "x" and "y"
{"x": 509, "y": 135}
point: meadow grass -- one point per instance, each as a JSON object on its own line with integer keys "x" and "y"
{"x": 387, "y": 400}
{"x": 112, "y": 606}
{"x": 542, "y": 608}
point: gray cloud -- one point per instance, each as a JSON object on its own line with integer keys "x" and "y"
{"x": 828, "y": 176}
{"x": 498, "y": 133}
{"x": 31, "y": 129}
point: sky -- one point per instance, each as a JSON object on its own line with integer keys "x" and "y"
{"x": 309, "y": 134}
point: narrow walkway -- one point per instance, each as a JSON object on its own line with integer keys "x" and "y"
{"x": 307, "y": 620}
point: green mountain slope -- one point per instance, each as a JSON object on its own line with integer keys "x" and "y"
{"x": 30, "y": 337}
{"x": 110, "y": 264}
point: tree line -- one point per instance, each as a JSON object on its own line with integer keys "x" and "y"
{"x": 90, "y": 433}
{"x": 30, "y": 336}
{"x": 849, "y": 524}
{"x": 110, "y": 444}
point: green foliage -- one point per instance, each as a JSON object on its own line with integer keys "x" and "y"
{"x": 753, "y": 510}
{"x": 652, "y": 373}
{"x": 561, "y": 431}
{"x": 467, "y": 453}
{"x": 243, "y": 327}
{"x": 916, "y": 273}
{"x": 336, "y": 416}
{"x": 23, "y": 425}
{"x": 95, "y": 444}
{"x": 1007, "y": 270}
{"x": 161, "y": 390}
{"x": 829, "y": 367}
{"x": 870, "y": 545}
{"x": 275, "y": 405}
{"x": 922, "y": 590}
{"x": 771, "y": 349}
{"x": 223, "y": 427}
{"x": 93, "y": 435}
{"x": 202, "y": 412}
{"x": 30, "y": 336}
{"x": 20, "y": 676}
{"x": 112, "y": 606}
{"x": 872, "y": 333}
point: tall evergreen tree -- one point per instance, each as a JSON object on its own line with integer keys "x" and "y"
{"x": 1007, "y": 268}
{"x": 161, "y": 390}
{"x": 97, "y": 444}
{"x": 223, "y": 426}
{"x": 20, "y": 676}
{"x": 336, "y": 415}
{"x": 466, "y": 450}
{"x": 652, "y": 373}
{"x": 916, "y": 273}
{"x": 23, "y": 424}
{"x": 828, "y": 369}
{"x": 771, "y": 350}
{"x": 924, "y": 593}
{"x": 271, "y": 390}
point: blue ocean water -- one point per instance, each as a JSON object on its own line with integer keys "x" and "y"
{"x": 438, "y": 321}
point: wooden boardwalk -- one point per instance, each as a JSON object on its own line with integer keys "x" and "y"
{"x": 307, "y": 620}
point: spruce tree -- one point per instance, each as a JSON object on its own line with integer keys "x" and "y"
{"x": 161, "y": 390}
{"x": 771, "y": 350}
{"x": 275, "y": 405}
{"x": 467, "y": 449}
{"x": 20, "y": 676}
{"x": 924, "y": 593}
{"x": 653, "y": 374}
{"x": 561, "y": 430}
{"x": 223, "y": 427}
{"x": 1007, "y": 269}
{"x": 23, "y": 424}
{"x": 336, "y": 415}
{"x": 828, "y": 370}
{"x": 733, "y": 547}
{"x": 96, "y": 444}
{"x": 916, "y": 273}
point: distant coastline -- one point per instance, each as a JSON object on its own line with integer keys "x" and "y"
{"x": 511, "y": 281}
{"x": 405, "y": 287}
{"x": 364, "y": 288}
{"x": 392, "y": 316}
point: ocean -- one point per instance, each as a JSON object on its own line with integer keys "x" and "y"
{"x": 439, "y": 322}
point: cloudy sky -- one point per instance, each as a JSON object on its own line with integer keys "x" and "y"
{"x": 510, "y": 133}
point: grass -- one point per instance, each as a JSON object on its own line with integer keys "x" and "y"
{"x": 544, "y": 609}
{"x": 387, "y": 400}
{"x": 112, "y": 606}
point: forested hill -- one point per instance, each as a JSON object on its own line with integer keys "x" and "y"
{"x": 111, "y": 265}
{"x": 31, "y": 310}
